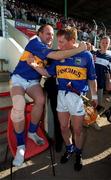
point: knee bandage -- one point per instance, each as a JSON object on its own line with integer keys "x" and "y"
{"x": 17, "y": 113}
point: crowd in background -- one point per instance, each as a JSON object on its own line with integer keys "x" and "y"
{"x": 38, "y": 15}
{"x": 87, "y": 32}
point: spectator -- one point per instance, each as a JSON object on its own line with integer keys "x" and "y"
{"x": 102, "y": 64}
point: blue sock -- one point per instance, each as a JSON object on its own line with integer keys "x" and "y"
{"x": 70, "y": 148}
{"x": 33, "y": 127}
{"x": 78, "y": 151}
{"x": 20, "y": 138}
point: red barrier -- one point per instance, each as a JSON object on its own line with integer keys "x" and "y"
{"x": 32, "y": 149}
{"x": 27, "y": 32}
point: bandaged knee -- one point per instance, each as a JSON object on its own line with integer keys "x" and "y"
{"x": 18, "y": 110}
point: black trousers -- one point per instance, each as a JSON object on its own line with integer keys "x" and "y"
{"x": 52, "y": 90}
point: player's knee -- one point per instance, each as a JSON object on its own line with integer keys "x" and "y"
{"x": 17, "y": 113}
{"x": 40, "y": 101}
{"x": 17, "y": 116}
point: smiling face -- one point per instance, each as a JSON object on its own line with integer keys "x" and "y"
{"x": 104, "y": 43}
{"x": 47, "y": 35}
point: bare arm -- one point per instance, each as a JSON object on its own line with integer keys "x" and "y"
{"x": 58, "y": 55}
{"x": 93, "y": 89}
{"x": 40, "y": 70}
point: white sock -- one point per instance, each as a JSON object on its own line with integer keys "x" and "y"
{"x": 19, "y": 157}
{"x": 37, "y": 139}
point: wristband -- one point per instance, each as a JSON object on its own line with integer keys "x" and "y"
{"x": 95, "y": 97}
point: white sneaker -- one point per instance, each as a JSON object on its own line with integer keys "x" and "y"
{"x": 37, "y": 139}
{"x": 108, "y": 99}
{"x": 19, "y": 157}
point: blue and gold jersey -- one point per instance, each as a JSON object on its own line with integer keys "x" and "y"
{"x": 78, "y": 70}
{"x": 39, "y": 51}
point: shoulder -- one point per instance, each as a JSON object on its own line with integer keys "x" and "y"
{"x": 86, "y": 54}
{"x": 32, "y": 42}
{"x": 109, "y": 55}
{"x": 109, "y": 52}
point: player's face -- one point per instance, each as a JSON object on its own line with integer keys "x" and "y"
{"x": 64, "y": 44}
{"x": 47, "y": 35}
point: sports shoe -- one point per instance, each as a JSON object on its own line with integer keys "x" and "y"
{"x": 67, "y": 155}
{"x": 108, "y": 114}
{"x": 96, "y": 126}
{"x": 78, "y": 164}
{"x": 100, "y": 109}
{"x": 19, "y": 157}
{"x": 108, "y": 99}
{"x": 37, "y": 139}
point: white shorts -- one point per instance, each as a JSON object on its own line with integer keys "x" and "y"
{"x": 70, "y": 102}
{"x": 17, "y": 80}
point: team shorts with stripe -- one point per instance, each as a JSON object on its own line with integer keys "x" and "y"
{"x": 70, "y": 102}
{"x": 17, "y": 80}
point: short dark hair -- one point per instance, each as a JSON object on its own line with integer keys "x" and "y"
{"x": 69, "y": 33}
{"x": 41, "y": 29}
